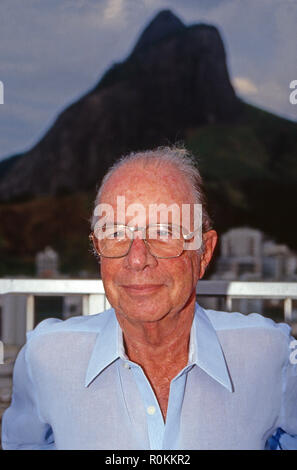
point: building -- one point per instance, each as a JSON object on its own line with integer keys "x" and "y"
{"x": 47, "y": 263}
{"x": 247, "y": 255}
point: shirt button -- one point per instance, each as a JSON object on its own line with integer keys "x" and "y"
{"x": 151, "y": 410}
{"x": 126, "y": 365}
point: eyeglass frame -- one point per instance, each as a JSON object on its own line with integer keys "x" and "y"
{"x": 186, "y": 237}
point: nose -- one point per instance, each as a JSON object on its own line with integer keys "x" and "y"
{"x": 139, "y": 256}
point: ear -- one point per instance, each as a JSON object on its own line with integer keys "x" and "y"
{"x": 210, "y": 240}
{"x": 94, "y": 241}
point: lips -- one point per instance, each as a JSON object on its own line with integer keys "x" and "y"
{"x": 141, "y": 288}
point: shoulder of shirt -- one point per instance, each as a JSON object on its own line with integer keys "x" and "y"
{"x": 222, "y": 321}
{"x": 83, "y": 324}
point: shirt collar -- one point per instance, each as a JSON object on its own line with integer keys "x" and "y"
{"x": 204, "y": 349}
{"x": 106, "y": 349}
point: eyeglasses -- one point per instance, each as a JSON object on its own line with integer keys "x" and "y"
{"x": 161, "y": 240}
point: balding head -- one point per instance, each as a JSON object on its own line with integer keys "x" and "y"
{"x": 175, "y": 165}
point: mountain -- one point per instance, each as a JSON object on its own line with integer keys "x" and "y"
{"x": 164, "y": 24}
{"x": 175, "y": 78}
{"x": 174, "y": 86}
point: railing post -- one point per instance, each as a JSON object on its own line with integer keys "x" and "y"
{"x": 288, "y": 310}
{"x": 30, "y": 312}
{"x": 96, "y": 304}
{"x": 228, "y": 303}
{"x": 85, "y": 304}
{"x": 106, "y": 303}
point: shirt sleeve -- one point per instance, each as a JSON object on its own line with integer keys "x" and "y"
{"x": 285, "y": 437}
{"x": 22, "y": 426}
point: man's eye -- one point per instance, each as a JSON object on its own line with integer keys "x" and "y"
{"x": 113, "y": 232}
{"x": 164, "y": 233}
{"x": 118, "y": 234}
{"x": 160, "y": 233}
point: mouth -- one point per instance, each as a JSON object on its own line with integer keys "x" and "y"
{"x": 141, "y": 289}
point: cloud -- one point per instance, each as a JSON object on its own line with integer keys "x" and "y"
{"x": 113, "y": 9}
{"x": 244, "y": 85}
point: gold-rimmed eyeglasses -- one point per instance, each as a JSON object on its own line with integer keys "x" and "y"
{"x": 161, "y": 240}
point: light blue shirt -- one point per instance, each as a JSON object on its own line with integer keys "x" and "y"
{"x": 75, "y": 388}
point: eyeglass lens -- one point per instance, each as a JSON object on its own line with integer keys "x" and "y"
{"x": 163, "y": 241}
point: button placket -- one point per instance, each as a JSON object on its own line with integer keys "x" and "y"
{"x": 155, "y": 422}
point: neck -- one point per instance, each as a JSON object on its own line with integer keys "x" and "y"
{"x": 166, "y": 340}
{"x": 160, "y": 348}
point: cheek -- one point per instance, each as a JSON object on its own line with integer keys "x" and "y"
{"x": 109, "y": 269}
{"x": 185, "y": 272}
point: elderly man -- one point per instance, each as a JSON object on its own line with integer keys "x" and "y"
{"x": 156, "y": 371}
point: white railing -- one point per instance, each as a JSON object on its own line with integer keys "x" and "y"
{"x": 94, "y": 299}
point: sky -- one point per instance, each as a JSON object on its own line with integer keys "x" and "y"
{"x": 54, "y": 51}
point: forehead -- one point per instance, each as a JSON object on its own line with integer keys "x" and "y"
{"x": 148, "y": 184}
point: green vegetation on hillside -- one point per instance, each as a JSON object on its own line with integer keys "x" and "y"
{"x": 250, "y": 171}
{"x": 57, "y": 221}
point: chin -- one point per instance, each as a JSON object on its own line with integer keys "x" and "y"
{"x": 142, "y": 311}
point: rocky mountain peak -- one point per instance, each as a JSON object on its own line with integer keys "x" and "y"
{"x": 164, "y": 24}
{"x": 175, "y": 79}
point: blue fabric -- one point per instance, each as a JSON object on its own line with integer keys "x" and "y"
{"x": 75, "y": 388}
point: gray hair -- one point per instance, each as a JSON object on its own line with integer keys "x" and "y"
{"x": 178, "y": 157}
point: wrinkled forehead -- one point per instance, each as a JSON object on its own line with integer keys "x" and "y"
{"x": 147, "y": 185}
{"x": 148, "y": 194}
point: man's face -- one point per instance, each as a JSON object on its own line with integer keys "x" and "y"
{"x": 139, "y": 286}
